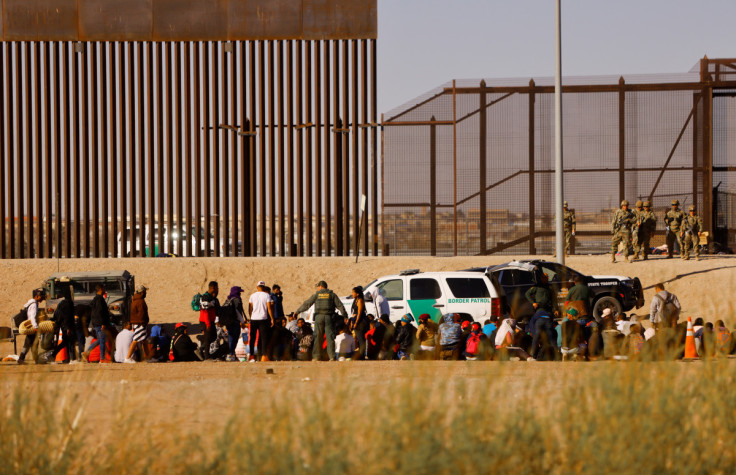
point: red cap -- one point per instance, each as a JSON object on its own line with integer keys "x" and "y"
{"x": 465, "y": 324}
{"x": 424, "y": 316}
{"x": 179, "y": 325}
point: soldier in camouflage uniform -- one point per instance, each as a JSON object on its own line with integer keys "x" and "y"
{"x": 673, "y": 221}
{"x": 647, "y": 226}
{"x": 692, "y": 226}
{"x": 636, "y": 228}
{"x": 623, "y": 220}
{"x": 569, "y": 222}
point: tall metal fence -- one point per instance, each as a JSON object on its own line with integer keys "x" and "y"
{"x": 468, "y": 168}
{"x": 229, "y": 128}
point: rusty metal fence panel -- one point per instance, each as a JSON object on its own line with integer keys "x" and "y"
{"x": 468, "y": 167}
{"x": 114, "y": 149}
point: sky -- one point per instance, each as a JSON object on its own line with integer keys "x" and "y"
{"x": 425, "y": 43}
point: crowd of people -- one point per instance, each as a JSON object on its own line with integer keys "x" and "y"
{"x": 262, "y": 331}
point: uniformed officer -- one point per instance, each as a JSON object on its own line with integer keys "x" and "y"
{"x": 673, "y": 222}
{"x": 636, "y": 228}
{"x": 692, "y": 226}
{"x": 325, "y": 303}
{"x": 623, "y": 220}
{"x": 647, "y": 226}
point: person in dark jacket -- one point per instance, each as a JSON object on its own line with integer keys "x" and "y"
{"x": 405, "y": 338}
{"x": 99, "y": 318}
{"x": 387, "y": 340}
{"x": 182, "y": 346}
{"x": 64, "y": 321}
{"x": 544, "y": 338}
{"x": 279, "y": 344}
{"x": 360, "y": 323}
{"x": 541, "y": 296}
{"x": 232, "y": 317}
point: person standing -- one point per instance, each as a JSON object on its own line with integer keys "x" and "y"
{"x": 623, "y": 220}
{"x": 360, "y": 321}
{"x": 578, "y": 297}
{"x": 380, "y": 302}
{"x": 232, "y": 317}
{"x": 636, "y": 228}
{"x": 64, "y": 321}
{"x": 278, "y": 302}
{"x": 673, "y": 221}
{"x": 99, "y": 318}
{"x": 540, "y": 295}
{"x": 261, "y": 310}
{"x": 325, "y": 303}
{"x": 568, "y": 219}
{"x": 31, "y": 342}
{"x": 665, "y": 308}
{"x": 692, "y": 227}
{"x": 209, "y": 307}
{"x": 139, "y": 319}
{"x": 647, "y": 227}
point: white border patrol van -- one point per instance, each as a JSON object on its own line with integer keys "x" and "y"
{"x": 473, "y": 295}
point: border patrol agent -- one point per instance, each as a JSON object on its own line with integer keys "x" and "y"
{"x": 325, "y": 303}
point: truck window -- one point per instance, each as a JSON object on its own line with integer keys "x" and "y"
{"x": 424, "y": 289}
{"x": 468, "y": 288}
{"x": 392, "y": 289}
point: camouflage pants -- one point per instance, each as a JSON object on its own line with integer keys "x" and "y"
{"x": 621, "y": 237}
{"x": 640, "y": 241}
{"x": 673, "y": 236}
{"x": 689, "y": 240}
{"x": 568, "y": 240}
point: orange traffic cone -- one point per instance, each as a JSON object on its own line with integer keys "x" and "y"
{"x": 690, "y": 351}
{"x": 61, "y": 355}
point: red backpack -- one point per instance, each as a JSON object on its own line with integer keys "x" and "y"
{"x": 471, "y": 347}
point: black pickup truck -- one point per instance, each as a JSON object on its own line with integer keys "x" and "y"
{"x": 619, "y": 293}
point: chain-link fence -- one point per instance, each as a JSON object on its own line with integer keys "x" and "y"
{"x": 469, "y": 167}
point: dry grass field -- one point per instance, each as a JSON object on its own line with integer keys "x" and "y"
{"x": 373, "y": 417}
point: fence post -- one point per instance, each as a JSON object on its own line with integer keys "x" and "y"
{"x": 433, "y": 187}
{"x": 482, "y": 168}
{"x": 532, "y": 210}
{"x": 621, "y": 139}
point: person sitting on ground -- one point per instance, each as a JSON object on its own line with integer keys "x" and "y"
{"x": 572, "y": 344}
{"x": 159, "y": 345}
{"x": 506, "y": 338}
{"x": 405, "y": 338}
{"x": 698, "y": 333}
{"x": 292, "y": 323}
{"x": 623, "y": 324}
{"x": 388, "y": 339}
{"x": 427, "y": 337}
{"x": 709, "y": 341}
{"x": 182, "y": 346}
{"x": 279, "y": 346}
{"x": 123, "y": 342}
{"x": 305, "y": 343}
{"x": 723, "y": 339}
{"x": 489, "y": 326}
{"x": 373, "y": 340}
{"x": 450, "y": 337}
{"x": 474, "y": 345}
{"x": 634, "y": 342}
{"x": 344, "y": 344}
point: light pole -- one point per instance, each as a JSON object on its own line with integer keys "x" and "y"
{"x": 559, "y": 184}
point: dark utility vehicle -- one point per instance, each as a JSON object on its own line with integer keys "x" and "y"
{"x": 619, "y": 293}
{"x": 119, "y": 287}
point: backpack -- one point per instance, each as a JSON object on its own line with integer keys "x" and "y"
{"x": 471, "y": 347}
{"x": 20, "y": 317}
{"x": 228, "y": 314}
{"x": 196, "y": 302}
{"x": 667, "y": 311}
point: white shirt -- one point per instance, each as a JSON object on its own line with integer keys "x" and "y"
{"x": 344, "y": 343}
{"x": 32, "y": 311}
{"x": 122, "y": 345}
{"x": 260, "y": 301}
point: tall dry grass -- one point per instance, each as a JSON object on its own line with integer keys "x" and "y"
{"x": 595, "y": 418}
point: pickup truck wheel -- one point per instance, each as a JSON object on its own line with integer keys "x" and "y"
{"x": 604, "y": 303}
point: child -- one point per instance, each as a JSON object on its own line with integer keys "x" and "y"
{"x": 344, "y": 345}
